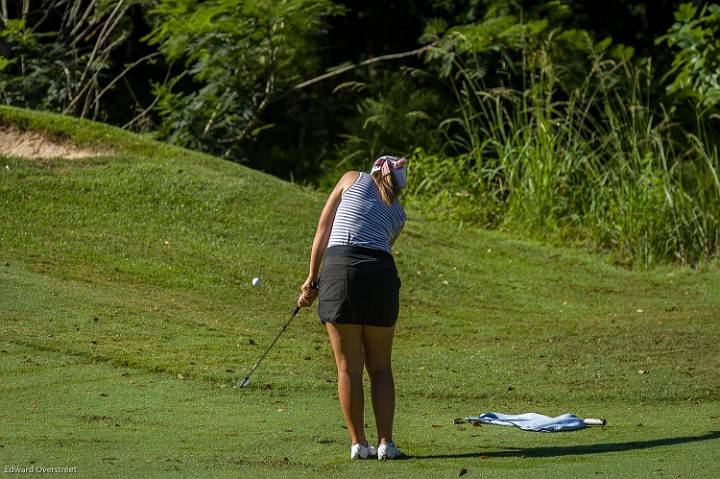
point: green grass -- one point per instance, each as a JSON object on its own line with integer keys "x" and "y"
{"x": 126, "y": 312}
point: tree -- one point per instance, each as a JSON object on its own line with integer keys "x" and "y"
{"x": 239, "y": 56}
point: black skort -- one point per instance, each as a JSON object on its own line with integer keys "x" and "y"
{"x": 358, "y": 286}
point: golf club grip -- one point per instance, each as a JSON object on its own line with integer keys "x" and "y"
{"x": 594, "y": 421}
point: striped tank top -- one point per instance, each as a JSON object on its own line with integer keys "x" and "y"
{"x": 363, "y": 219}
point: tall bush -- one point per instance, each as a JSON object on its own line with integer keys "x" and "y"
{"x": 590, "y": 160}
{"x": 239, "y": 56}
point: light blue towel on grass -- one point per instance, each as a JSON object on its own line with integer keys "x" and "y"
{"x": 531, "y": 421}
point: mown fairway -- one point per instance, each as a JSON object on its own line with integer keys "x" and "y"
{"x": 126, "y": 312}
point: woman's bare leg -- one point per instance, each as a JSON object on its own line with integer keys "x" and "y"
{"x": 347, "y": 343}
{"x": 377, "y": 344}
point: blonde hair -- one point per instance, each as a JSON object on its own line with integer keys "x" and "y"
{"x": 388, "y": 187}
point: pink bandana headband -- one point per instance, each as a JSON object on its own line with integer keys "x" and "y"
{"x": 391, "y": 164}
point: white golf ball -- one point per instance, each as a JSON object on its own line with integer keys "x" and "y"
{"x": 256, "y": 281}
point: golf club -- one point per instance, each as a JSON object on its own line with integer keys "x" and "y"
{"x": 246, "y": 382}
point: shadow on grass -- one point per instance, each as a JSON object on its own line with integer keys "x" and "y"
{"x": 578, "y": 450}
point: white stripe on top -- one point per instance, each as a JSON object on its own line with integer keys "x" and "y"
{"x": 363, "y": 219}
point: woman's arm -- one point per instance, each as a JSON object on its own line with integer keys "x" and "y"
{"x": 322, "y": 236}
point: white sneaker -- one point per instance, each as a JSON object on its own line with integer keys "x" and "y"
{"x": 388, "y": 451}
{"x": 358, "y": 451}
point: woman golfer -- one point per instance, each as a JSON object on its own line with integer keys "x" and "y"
{"x": 358, "y": 288}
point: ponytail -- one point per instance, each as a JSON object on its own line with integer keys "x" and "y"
{"x": 388, "y": 187}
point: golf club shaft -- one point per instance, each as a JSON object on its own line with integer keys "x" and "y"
{"x": 297, "y": 308}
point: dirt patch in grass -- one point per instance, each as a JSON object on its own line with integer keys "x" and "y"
{"x": 32, "y": 145}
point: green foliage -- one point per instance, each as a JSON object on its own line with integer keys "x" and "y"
{"x": 695, "y": 39}
{"x": 62, "y": 56}
{"x": 576, "y": 152}
{"x": 393, "y": 114}
{"x": 452, "y": 189}
{"x": 240, "y": 56}
{"x": 519, "y": 119}
{"x": 40, "y": 71}
{"x": 492, "y": 42}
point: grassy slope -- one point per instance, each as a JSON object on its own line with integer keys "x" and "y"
{"x": 117, "y": 274}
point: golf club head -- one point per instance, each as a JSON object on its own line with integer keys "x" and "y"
{"x": 243, "y": 383}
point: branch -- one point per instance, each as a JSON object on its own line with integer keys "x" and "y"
{"x": 4, "y": 16}
{"x": 267, "y": 99}
{"x": 48, "y": 9}
{"x": 381, "y": 58}
{"x": 104, "y": 32}
{"x": 76, "y": 37}
{"x": 74, "y": 100}
{"x": 155, "y": 101}
{"x": 123, "y": 73}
